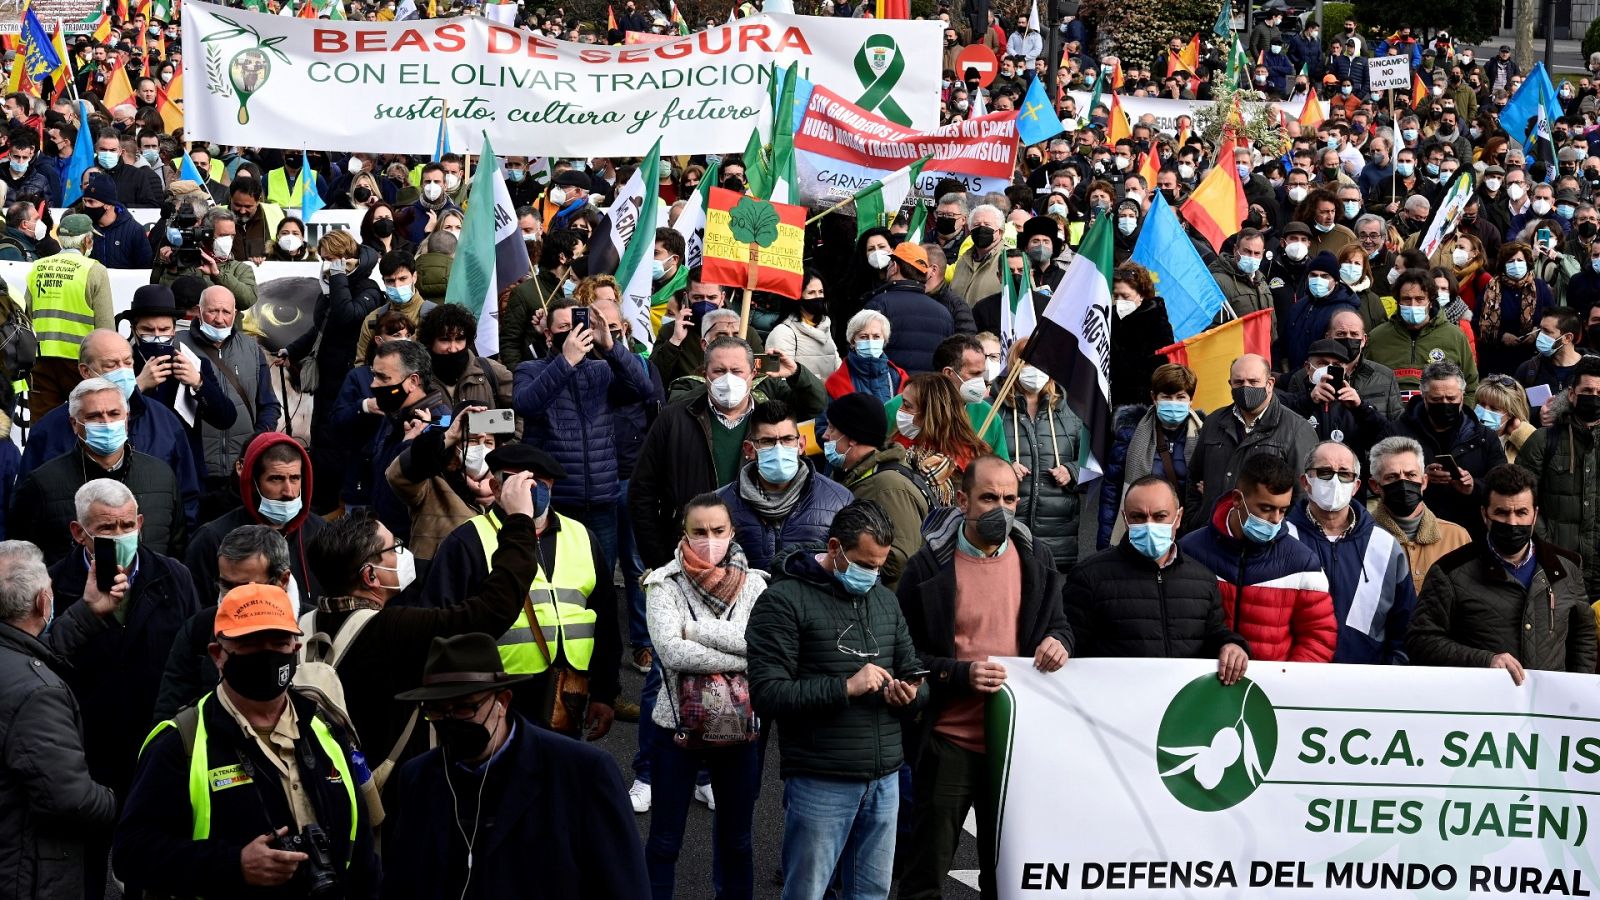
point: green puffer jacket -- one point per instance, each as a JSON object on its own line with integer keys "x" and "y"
{"x": 798, "y": 674}
{"x": 1563, "y": 459}
{"x": 433, "y": 275}
{"x": 1047, "y": 440}
{"x": 1395, "y": 345}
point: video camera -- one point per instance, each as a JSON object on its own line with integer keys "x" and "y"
{"x": 186, "y": 236}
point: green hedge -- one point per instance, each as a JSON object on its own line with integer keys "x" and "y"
{"x": 1333, "y": 19}
{"x": 1591, "y": 40}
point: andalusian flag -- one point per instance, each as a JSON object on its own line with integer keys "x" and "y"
{"x": 1210, "y": 354}
{"x": 784, "y": 178}
{"x": 1072, "y": 342}
{"x": 625, "y": 243}
{"x": 491, "y": 256}
{"x": 1217, "y": 207}
{"x": 757, "y": 170}
{"x": 879, "y": 202}
{"x": 691, "y": 224}
{"x": 1018, "y": 318}
{"x": 1238, "y": 63}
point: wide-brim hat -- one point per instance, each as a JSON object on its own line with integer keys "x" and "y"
{"x": 459, "y": 667}
{"x": 151, "y": 300}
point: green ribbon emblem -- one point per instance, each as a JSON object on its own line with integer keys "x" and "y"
{"x": 878, "y": 86}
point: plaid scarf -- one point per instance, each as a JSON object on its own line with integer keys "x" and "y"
{"x": 718, "y": 586}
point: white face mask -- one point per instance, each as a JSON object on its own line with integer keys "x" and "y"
{"x": 1296, "y": 250}
{"x": 1032, "y": 380}
{"x": 405, "y": 569}
{"x": 432, "y": 190}
{"x": 729, "y": 391}
{"x": 290, "y": 243}
{"x": 878, "y": 259}
{"x": 1516, "y": 191}
{"x": 906, "y": 424}
{"x": 222, "y": 247}
{"x": 354, "y": 166}
{"x": 1125, "y": 307}
{"x": 1331, "y": 495}
{"x": 973, "y": 390}
{"x": 1493, "y": 184}
{"x": 451, "y": 181}
{"x": 1459, "y": 257}
{"x": 39, "y": 231}
{"x": 476, "y": 463}
{"x": 991, "y": 370}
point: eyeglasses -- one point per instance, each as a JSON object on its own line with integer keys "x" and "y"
{"x": 859, "y": 654}
{"x": 789, "y": 441}
{"x": 460, "y": 710}
{"x": 398, "y": 546}
{"x": 1328, "y": 473}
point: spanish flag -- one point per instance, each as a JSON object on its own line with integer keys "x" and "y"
{"x": 1210, "y": 354}
{"x": 1217, "y": 207}
{"x": 1190, "y": 55}
{"x": 171, "y": 115}
{"x": 1116, "y": 74}
{"x": 892, "y": 9}
{"x": 611, "y": 19}
{"x": 103, "y": 31}
{"x": 1117, "y": 126}
{"x": 1148, "y": 167}
{"x": 1311, "y": 114}
{"x": 1419, "y": 89}
{"x": 118, "y": 90}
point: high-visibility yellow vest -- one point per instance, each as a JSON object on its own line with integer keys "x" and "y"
{"x": 59, "y": 290}
{"x": 560, "y": 601}
{"x": 201, "y": 784}
{"x": 278, "y": 188}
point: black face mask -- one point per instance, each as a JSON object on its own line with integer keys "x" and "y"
{"x": 994, "y": 525}
{"x": 260, "y": 676}
{"x": 361, "y": 194}
{"x": 1508, "y": 539}
{"x": 382, "y": 228}
{"x": 291, "y": 161}
{"x": 1587, "y": 407}
{"x": 390, "y": 398}
{"x": 557, "y": 341}
{"x": 450, "y": 366}
{"x": 815, "y": 308}
{"x": 462, "y": 740}
{"x": 1248, "y": 398}
{"x": 1353, "y": 347}
{"x": 1444, "y": 416}
{"x": 1587, "y": 230}
{"x": 982, "y": 237}
{"x": 1402, "y": 497}
{"x": 944, "y": 226}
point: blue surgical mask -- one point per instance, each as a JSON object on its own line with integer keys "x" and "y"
{"x": 870, "y": 348}
{"x": 399, "y": 294}
{"x": 1152, "y": 539}
{"x": 125, "y": 381}
{"x": 279, "y": 512}
{"x": 856, "y": 578}
{"x": 567, "y": 287}
{"x": 127, "y": 548}
{"x": 1249, "y": 264}
{"x": 107, "y": 159}
{"x": 658, "y": 270}
{"x": 19, "y": 166}
{"x": 1260, "y": 530}
{"x": 778, "y": 465}
{"x": 1545, "y": 344}
{"x": 1350, "y": 273}
{"x": 153, "y": 157}
{"x": 830, "y": 452}
{"x": 541, "y": 499}
{"x": 1352, "y": 208}
{"x": 1057, "y": 209}
{"x": 1126, "y": 224}
{"x": 1172, "y": 412}
{"x": 1432, "y": 169}
{"x": 1595, "y": 265}
{"x": 1408, "y": 134}
{"x": 1516, "y": 269}
{"x": 213, "y": 333}
{"x": 516, "y": 175}
{"x": 1319, "y": 286}
{"x": 1565, "y": 210}
{"x": 105, "y": 438}
{"x": 1244, "y": 172}
{"x": 1413, "y": 315}
{"x": 1491, "y": 420}
{"x": 1405, "y": 169}
{"x": 174, "y": 236}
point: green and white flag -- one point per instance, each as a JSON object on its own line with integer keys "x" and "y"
{"x": 491, "y": 256}
{"x": 757, "y": 171}
{"x": 692, "y": 225}
{"x": 632, "y": 223}
{"x": 1087, "y": 113}
{"x": 782, "y": 189}
{"x": 1018, "y": 318}
{"x": 879, "y": 202}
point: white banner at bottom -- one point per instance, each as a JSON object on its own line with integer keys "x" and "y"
{"x": 1145, "y": 778}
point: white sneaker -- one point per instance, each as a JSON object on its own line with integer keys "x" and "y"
{"x": 702, "y": 792}
{"x": 639, "y": 796}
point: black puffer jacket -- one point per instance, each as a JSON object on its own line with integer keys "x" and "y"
{"x": 49, "y": 807}
{"x": 919, "y": 322}
{"x": 1121, "y": 604}
{"x": 1135, "y": 338}
{"x": 764, "y": 539}
{"x": 798, "y": 675}
{"x": 1474, "y": 448}
{"x": 43, "y": 506}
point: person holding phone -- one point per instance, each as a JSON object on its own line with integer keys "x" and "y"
{"x": 982, "y": 586}
{"x": 697, "y": 607}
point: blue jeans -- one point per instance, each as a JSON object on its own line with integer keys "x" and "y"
{"x": 602, "y": 520}
{"x": 831, "y": 823}
{"x": 735, "y": 775}
{"x": 632, "y": 571}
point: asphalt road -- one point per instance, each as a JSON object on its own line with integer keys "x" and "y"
{"x": 694, "y": 863}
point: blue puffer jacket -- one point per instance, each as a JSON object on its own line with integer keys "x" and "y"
{"x": 1370, "y": 580}
{"x": 763, "y": 540}
{"x": 568, "y": 412}
{"x": 1308, "y": 321}
{"x": 122, "y": 244}
{"x": 919, "y": 324}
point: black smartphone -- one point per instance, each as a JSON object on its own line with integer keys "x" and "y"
{"x": 769, "y": 364}
{"x": 153, "y": 350}
{"x": 916, "y": 675}
{"x": 580, "y": 316}
{"x": 1449, "y": 463}
{"x": 105, "y": 563}
{"x": 1336, "y": 378}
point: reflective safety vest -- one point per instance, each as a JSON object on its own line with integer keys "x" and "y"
{"x": 278, "y": 190}
{"x": 58, "y": 288}
{"x": 202, "y": 783}
{"x": 560, "y": 601}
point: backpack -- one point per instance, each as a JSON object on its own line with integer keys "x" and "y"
{"x": 918, "y": 481}
{"x": 318, "y": 675}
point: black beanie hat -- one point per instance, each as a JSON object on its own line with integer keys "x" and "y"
{"x": 860, "y": 417}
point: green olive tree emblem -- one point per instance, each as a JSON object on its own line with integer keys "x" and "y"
{"x": 247, "y": 70}
{"x": 1216, "y": 743}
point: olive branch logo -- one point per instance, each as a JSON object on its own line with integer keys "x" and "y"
{"x": 247, "y": 70}
{"x": 1216, "y": 743}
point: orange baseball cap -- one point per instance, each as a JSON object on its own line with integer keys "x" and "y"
{"x": 912, "y": 255}
{"x": 250, "y": 608}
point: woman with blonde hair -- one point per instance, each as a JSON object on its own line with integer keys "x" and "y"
{"x": 932, "y": 423}
{"x": 597, "y": 287}
{"x": 1503, "y": 409}
{"x": 1044, "y": 435}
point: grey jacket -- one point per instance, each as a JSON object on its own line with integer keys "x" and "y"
{"x": 258, "y": 408}
{"x": 1223, "y": 447}
{"x": 49, "y": 807}
{"x": 1041, "y": 443}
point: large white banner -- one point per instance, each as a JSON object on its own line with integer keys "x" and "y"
{"x": 1145, "y": 778}
{"x": 260, "y": 80}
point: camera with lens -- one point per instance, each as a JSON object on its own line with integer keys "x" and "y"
{"x": 320, "y": 872}
{"x": 186, "y": 236}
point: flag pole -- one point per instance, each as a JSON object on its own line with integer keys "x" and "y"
{"x": 1005, "y": 389}
{"x": 751, "y": 275}
{"x": 834, "y": 208}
